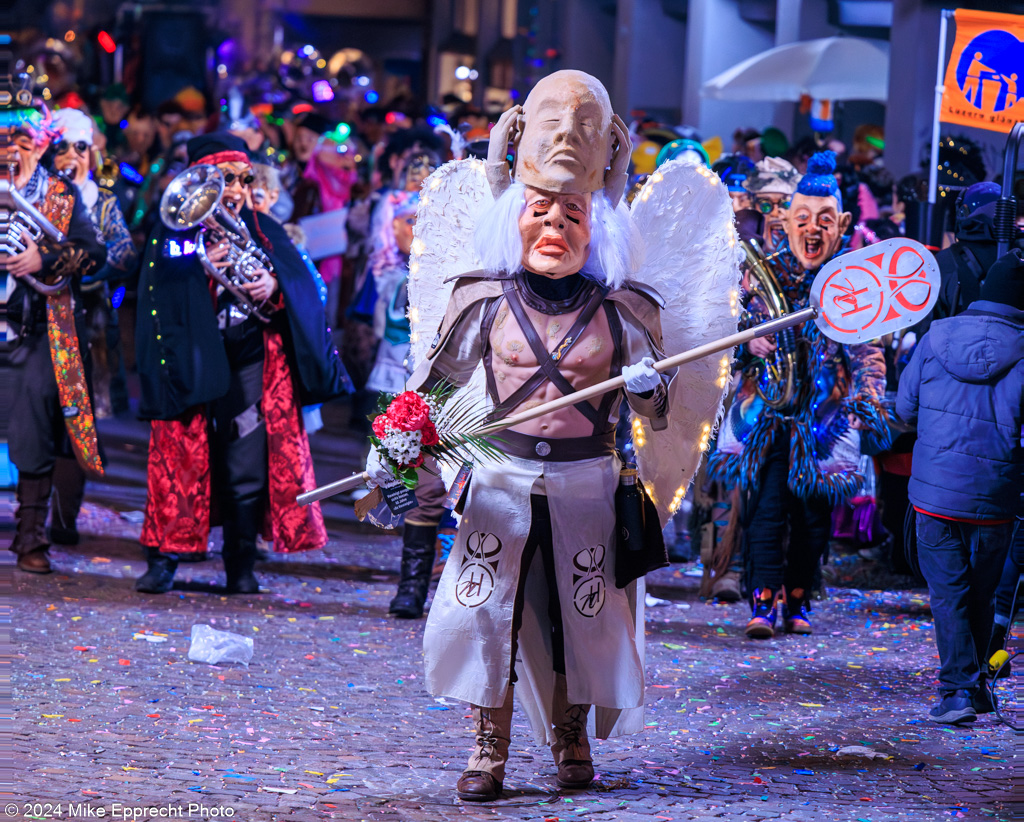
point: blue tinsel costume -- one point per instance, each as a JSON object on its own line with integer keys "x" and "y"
{"x": 832, "y": 381}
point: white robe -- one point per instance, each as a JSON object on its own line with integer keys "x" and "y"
{"x": 468, "y": 638}
{"x": 467, "y": 642}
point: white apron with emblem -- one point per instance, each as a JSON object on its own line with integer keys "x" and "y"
{"x": 468, "y": 637}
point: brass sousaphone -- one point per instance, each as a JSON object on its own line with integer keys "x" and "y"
{"x": 775, "y": 375}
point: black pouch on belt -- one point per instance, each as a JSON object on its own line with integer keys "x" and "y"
{"x": 640, "y": 546}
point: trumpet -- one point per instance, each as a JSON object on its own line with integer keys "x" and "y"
{"x": 21, "y": 221}
{"x": 776, "y": 376}
{"x": 193, "y": 198}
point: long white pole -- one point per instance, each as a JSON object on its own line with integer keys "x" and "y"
{"x": 613, "y": 384}
{"x": 739, "y": 338}
{"x": 933, "y": 169}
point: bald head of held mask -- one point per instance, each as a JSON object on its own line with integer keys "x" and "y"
{"x": 565, "y": 137}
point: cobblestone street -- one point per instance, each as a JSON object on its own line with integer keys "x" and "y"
{"x": 331, "y": 721}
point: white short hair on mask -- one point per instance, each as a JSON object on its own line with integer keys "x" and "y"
{"x": 616, "y": 249}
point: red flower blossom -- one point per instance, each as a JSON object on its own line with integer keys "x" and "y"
{"x": 380, "y": 426}
{"x": 416, "y": 463}
{"x": 408, "y": 412}
{"x": 429, "y": 435}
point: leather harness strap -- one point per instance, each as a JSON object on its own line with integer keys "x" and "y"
{"x": 548, "y": 360}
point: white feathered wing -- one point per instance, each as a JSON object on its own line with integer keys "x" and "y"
{"x": 451, "y": 201}
{"x": 685, "y": 216}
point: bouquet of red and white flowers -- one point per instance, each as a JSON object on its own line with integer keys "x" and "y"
{"x": 412, "y": 425}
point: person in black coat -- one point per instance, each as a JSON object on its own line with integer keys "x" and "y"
{"x": 223, "y": 389}
{"x": 964, "y": 265}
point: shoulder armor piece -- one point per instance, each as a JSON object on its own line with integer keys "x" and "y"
{"x": 646, "y": 291}
{"x": 470, "y": 288}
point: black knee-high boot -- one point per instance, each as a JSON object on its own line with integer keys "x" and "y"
{"x": 159, "y": 576}
{"x": 417, "y": 563}
{"x": 240, "y": 547}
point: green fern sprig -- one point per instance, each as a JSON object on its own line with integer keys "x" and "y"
{"x": 456, "y": 417}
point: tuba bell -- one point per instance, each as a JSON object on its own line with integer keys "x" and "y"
{"x": 775, "y": 375}
{"x": 193, "y": 198}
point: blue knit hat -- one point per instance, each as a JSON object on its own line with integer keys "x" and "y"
{"x": 820, "y": 181}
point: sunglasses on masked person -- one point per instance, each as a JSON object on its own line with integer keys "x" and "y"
{"x": 767, "y": 206}
{"x": 80, "y": 146}
{"x": 245, "y": 179}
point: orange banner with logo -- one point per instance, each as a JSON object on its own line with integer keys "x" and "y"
{"x": 984, "y": 84}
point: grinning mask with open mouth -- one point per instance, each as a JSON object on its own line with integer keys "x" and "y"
{"x": 815, "y": 226}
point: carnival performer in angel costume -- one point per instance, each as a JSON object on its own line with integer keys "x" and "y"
{"x": 559, "y": 301}
{"x": 795, "y": 461}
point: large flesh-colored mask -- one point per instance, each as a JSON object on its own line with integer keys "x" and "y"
{"x": 556, "y": 232}
{"x": 815, "y": 226}
{"x": 567, "y": 137}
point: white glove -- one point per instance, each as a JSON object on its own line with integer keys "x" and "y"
{"x": 380, "y": 472}
{"x": 642, "y": 377}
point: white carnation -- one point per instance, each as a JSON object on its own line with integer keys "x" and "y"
{"x": 402, "y": 446}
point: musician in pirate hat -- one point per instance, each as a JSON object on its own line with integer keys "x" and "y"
{"x": 48, "y": 246}
{"x": 794, "y": 452}
{"x": 226, "y": 366}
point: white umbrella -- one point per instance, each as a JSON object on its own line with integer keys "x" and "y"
{"x": 832, "y": 68}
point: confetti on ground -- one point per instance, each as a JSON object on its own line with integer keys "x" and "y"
{"x": 332, "y": 719}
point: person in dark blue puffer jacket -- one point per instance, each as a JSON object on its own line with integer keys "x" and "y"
{"x": 964, "y": 389}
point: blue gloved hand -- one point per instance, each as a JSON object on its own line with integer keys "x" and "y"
{"x": 641, "y": 378}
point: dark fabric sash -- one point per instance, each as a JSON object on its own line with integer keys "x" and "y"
{"x": 568, "y": 449}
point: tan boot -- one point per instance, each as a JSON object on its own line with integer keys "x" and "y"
{"x": 571, "y": 751}
{"x": 485, "y": 774}
{"x": 727, "y": 587}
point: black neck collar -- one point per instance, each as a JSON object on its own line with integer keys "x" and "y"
{"x": 551, "y": 296}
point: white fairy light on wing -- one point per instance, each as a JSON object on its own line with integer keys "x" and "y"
{"x": 639, "y": 437}
{"x": 724, "y": 370}
{"x": 677, "y": 499}
{"x": 705, "y": 437}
